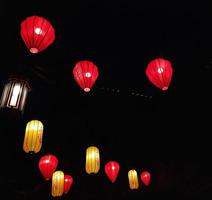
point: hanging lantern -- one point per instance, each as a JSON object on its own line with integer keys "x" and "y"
{"x": 133, "y": 179}
{"x": 47, "y": 165}
{"x": 85, "y": 74}
{"x": 112, "y": 170}
{"x": 159, "y": 72}
{"x": 92, "y": 164}
{"x": 145, "y": 177}
{"x": 33, "y": 136}
{"x": 14, "y": 94}
{"x": 57, "y": 183}
{"x": 68, "y": 181}
{"x": 37, "y": 33}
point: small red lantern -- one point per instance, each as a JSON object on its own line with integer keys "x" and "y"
{"x": 145, "y": 177}
{"x": 37, "y": 33}
{"x": 47, "y": 165}
{"x": 159, "y": 72}
{"x": 112, "y": 170}
{"x": 68, "y": 181}
{"x": 85, "y": 74}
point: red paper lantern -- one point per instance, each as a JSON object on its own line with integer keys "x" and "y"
{"x": 112, "y": 170}
{"x": 37, "y": 33}
{"x": 159, "y": 72}
{"x": 85, "y": 74}
{"x": 145, "y": 177}
{"x": 68, "y": 181}
{"x": 47, "y": 165}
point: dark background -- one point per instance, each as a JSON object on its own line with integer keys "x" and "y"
{"x": 124, "y": 115}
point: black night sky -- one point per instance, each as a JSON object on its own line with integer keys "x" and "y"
{"x": 124, "y": 115}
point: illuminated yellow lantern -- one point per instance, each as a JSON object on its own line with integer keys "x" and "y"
{"x": 133, "y": 179}
{"x": 57, "y": 184}
{"x": 92, "y": 164}
{"x": 33, "y": 136}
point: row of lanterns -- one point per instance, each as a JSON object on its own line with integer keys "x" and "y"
{"x": 48, "y": 163}
{"x": 37, "y": 34}
{"x": 159, "y": 72}
{"x": 62, "y": 183}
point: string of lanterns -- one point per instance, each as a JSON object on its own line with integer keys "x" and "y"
{"x": 38, "y": 34}
{"x": 61, "y": 183}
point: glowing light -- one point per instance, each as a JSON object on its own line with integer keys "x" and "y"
{"x": 14, "y": 98}
{"x": 88, "y": 74}
{"x": 160, "y": 70}
{"x": 38, "y": 31}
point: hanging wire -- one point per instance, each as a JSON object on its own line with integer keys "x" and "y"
{"x": 117, "y": 91}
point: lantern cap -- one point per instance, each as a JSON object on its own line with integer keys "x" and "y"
{"x": 87, "y": 89}
{"x": 34, "y": 50}
{"x": 165, "y": 88}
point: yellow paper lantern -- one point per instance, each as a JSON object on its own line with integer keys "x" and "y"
{"x": 57, "y": 184}
{"x": 33, "y": 136}
{"x": 133, "y": 179}
{"x": 92, "y": 164}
